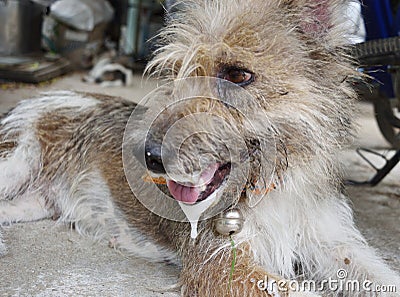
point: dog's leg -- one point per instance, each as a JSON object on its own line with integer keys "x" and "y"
{"x": 213, "y": 271}
{"x": 19, "y": 166}
{"x": 210, "y": 277}
{"x": 343, "y": 254}
{"x": 362, "y": 264}
{"x": 18, "y": 202}
{"x": 25, "y": 208}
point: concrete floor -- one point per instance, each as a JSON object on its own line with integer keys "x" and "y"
{"x": 46, "y": 259}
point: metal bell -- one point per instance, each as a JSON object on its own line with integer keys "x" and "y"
{"x": 229, "y": 222}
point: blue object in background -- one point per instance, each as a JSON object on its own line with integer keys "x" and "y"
{"x": 379, "y": 24}
{"x": 396, "y": 23}
{"x": 378, "y": 18}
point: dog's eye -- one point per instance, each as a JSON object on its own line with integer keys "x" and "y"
{"x": 237, "y": 76}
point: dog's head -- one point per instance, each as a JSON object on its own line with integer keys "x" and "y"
{"x": 254, "y": 88}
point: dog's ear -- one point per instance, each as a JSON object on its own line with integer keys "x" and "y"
{"x": 316, "y": 17}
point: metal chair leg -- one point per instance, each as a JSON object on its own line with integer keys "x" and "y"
{"x": 382, "y": 172}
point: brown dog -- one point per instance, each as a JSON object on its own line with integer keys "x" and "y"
{"x": 257, "y": 107}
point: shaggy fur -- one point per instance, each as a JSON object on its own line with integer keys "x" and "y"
{"x": 61, "y": 155}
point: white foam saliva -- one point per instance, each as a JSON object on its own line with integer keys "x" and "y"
{"x": 193, "y": 212}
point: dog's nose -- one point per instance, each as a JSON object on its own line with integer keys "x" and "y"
{"x": 153, "y": 158}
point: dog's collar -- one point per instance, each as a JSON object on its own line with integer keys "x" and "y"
{"x": 261, "y": 191}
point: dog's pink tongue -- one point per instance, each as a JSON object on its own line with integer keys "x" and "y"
{"x": 190, "y": 194}
{"x": 183, "y": 193}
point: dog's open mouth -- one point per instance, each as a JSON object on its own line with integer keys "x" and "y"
{"x": 211, "y": 180}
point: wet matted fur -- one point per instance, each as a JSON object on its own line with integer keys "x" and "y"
{"x": 61, "y": 154}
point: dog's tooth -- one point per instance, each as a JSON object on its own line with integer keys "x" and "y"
{"x": 202, "y": 185}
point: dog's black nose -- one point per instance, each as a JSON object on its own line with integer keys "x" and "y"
{"x": 153, "y": 157}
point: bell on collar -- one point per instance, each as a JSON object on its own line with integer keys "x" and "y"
{"x": 229, "y": 222}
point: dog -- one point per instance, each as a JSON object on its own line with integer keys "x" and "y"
{"x": 229, "y": 170}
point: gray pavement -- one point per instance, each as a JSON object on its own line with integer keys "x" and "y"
{"x": 46, "y": 259}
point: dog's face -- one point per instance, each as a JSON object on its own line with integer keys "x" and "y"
{"x": 253, "y": 91}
